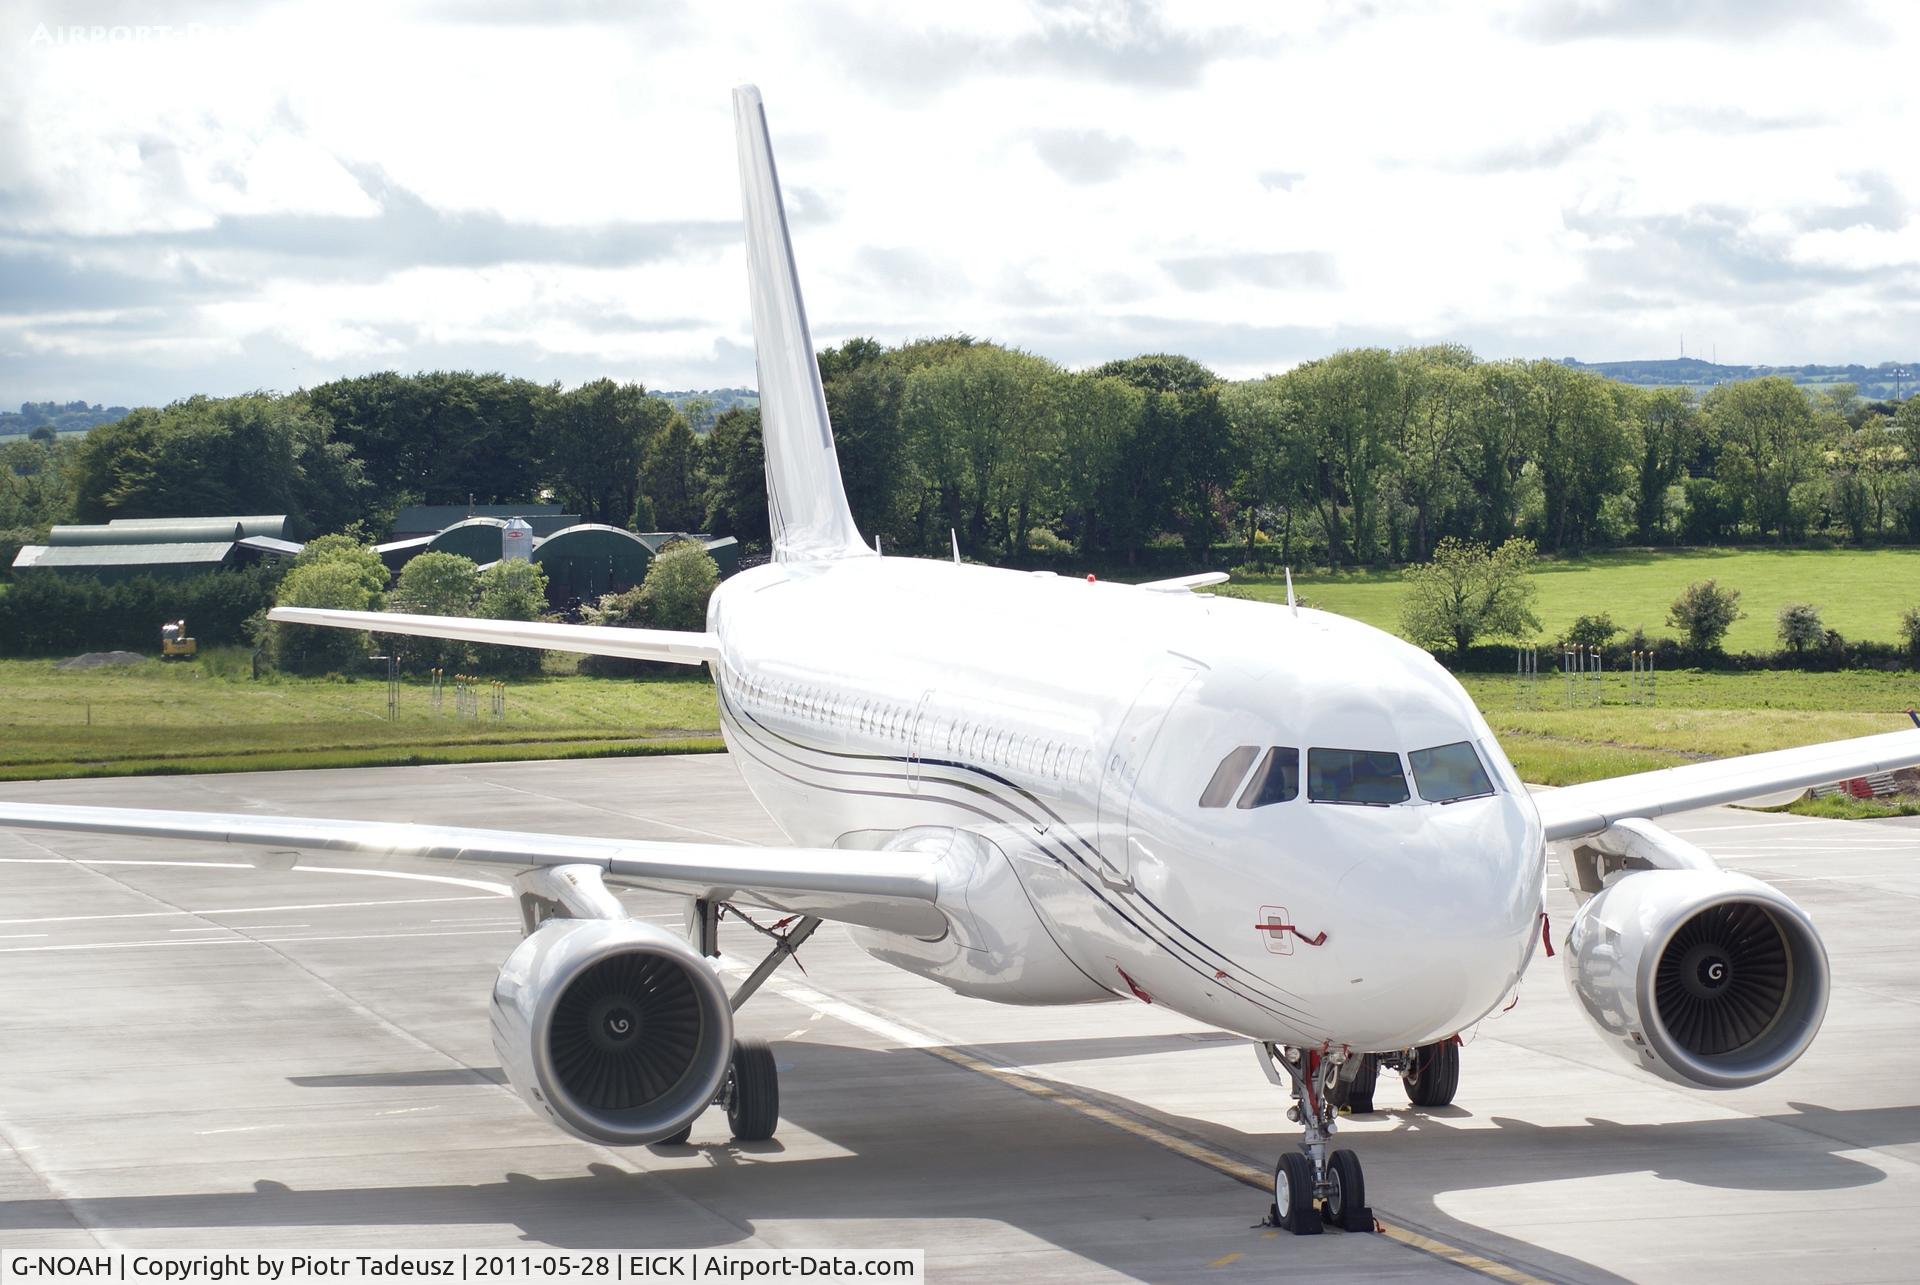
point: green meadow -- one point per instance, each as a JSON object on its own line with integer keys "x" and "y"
{"x": 1859, "y": 592}
{"x": 209, "y": 715}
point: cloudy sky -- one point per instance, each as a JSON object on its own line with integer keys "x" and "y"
{"x": 210, "y": 196}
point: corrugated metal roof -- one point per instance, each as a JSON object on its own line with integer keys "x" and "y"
{"x": 268, "y": 544}
{"x": 132, "y": 555}
{"x": 205, "y": 530}
{"x": 425, "y": 519}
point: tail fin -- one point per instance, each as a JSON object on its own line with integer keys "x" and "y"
{"x": 806, "y": 503}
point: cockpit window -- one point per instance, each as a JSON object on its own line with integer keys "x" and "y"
{"x": 1276, "y": 780}
{"x": 1355, "y": 776}
{"x": 1449, "y": 773}
{"x": 1225, "y": 777}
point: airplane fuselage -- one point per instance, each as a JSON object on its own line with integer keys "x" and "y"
{"x": 1078, "y": 728}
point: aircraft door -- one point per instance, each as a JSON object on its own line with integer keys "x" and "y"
{"x": 1120, "y": 770}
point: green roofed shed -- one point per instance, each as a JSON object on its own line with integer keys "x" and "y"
{"x": 476, "y": 538}
{"x": 591, "y": 559}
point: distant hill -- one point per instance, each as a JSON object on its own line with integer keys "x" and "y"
{"x": 717, "y": 401}
{"x": 1874, "y": 382}
{"x": 61, "y": 417}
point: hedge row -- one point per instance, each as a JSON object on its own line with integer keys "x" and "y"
{"x": 56, "y": 615}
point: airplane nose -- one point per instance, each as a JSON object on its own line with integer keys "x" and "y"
{"x": 1438, "y": 926}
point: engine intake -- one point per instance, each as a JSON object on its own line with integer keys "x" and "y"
{"x": 616, "y": 1030}
{"x": 1702, "y": 977}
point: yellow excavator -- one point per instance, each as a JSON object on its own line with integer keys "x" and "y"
{"x": 174, "y": 643}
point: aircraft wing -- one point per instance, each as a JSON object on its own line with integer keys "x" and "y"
{"x": 889, "y": 890}
{"x": 674, "y": 646}
{"x": 1577, "y": 810}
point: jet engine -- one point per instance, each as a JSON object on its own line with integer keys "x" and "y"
{"x": 1704, "y": 977}
{"x": 617, "y": 1031}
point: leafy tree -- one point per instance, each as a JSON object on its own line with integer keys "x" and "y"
{"x": 1765, "y": 428}
{"x": 36, "y": 484}
{"x": 596, "y": 436}
{"x": 511, "y": 590}
{"x": 260, "y": 453}
{"x": 1666, "y": 425}
{"x": 864, "y": 387}
{"x": 337, "y": 582}
{"x": 1580, "y": 450}
{"x": 1441, "y": 385}
{"x": 1800, "y": 627}
{"x": 1704, "y": 612}
{"x": 980, "y": 426}
{"x": 1276, "y": 459}
{"x": 737, "y": 478}
{"x": 1355, "y": 405}
{"x": 670, "y": 477}
{"x": 1910, "y": 630}
{"x": 367, "y": 567}
{"x": 1100, "y": 420}
{"x": 1500, "y": 433}
{"x": 677, "y": 586}
{"x": 441, "y": 436}
{"x": 433, "y": 584}
{"x": 1593, "y": 632}
{"x": 1469, "y": 592}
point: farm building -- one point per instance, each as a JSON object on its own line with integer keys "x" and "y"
{"x": 129, "y": 547}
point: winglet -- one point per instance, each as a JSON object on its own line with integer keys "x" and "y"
{"x": 1291, "y": 604}
{"x": 806, "y": 502}
{"x": 955, "y": 533}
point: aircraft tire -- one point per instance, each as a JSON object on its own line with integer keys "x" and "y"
{"x": 1346, "y": 1203}
{"x": 1434, "y": 1074}
{"x": 1356, "y": 1095}
{"x": 1293, "y": 1195}
{"x": 753, "y": 1091}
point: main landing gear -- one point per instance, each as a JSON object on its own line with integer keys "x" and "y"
{"x": 751, "y": 1090}
{"x": 1316, "y": 1172}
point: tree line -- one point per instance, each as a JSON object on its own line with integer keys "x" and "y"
{"x": 1367, "y": 457}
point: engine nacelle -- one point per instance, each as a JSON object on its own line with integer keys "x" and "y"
{"x": 1704, "y": 977}
{"x": 617, "y": 1031}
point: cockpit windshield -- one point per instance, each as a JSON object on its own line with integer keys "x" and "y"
{"x": 1355, "y": 776}
{"x": 1450, "y": 773}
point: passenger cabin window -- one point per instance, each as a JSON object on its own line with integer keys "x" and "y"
{"x": 1276, "y": 780}
{"x": 1370, "y": 777}
{"x": 1227, "y": 777}
{"x": 1449, "y": 773}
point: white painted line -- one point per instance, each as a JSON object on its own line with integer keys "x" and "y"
{"x": 244, "y": 941}
{"x": 212, "y": 928}
{"x": 14, "y": 936}
{"x": 245, "y": 1128}
{"x": 248, "y": 910}
{"x": 872, "y": 1023}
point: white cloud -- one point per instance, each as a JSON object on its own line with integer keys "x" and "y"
{"x": 321, "y": 188}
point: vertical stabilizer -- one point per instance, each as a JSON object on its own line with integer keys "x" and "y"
{"x": 806, "y": 503}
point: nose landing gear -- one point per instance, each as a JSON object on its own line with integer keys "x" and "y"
{"x": 1316, "y": 1172}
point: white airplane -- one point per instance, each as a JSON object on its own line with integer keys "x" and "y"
{"x": 1036, "y": 789}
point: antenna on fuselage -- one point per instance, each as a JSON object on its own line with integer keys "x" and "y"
{"x": 1291, "y": 604}
{"x": 954, "y": 532}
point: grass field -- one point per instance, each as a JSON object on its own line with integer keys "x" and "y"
{"x": 1860, "y": 592}
{"x": 1697, "y": 716}
{"x": 208, "y": 716}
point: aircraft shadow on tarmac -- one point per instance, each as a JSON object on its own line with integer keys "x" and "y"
{"x": 917, "y": 1137}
